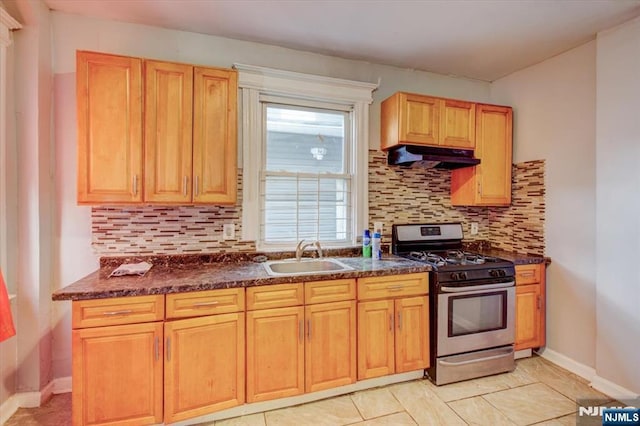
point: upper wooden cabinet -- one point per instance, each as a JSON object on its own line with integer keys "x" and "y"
{"x": 168, "y": 123}
{"x": 190, "y": 132}
{"x": 109, "y": 101}
{"x": 215, "y": 135}
{"x": 410, "y": 119}
{"x": 488, "y": 183}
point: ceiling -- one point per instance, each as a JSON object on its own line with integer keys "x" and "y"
{"x": 479, "y": 39}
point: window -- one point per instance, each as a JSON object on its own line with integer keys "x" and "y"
{"x": 305, "y": 152}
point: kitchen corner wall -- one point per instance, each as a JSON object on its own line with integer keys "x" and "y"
{"x": 396, "y": 195}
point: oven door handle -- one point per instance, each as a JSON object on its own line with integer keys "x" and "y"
{"x": 508, "y": 353}
{"x": 477, "y": 287}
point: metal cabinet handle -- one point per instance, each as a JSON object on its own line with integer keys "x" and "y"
{"x": 204, "y": 304}
{"x": 309, "y": 329}
{"x": 526, "y": 274}
{"x": 479, "y": 188}
{"x": 301, "y": 331}
{"x": 156, "y": 348}
{"x": 113, "y": 313}
{"x": 185, "y": 180}
{"x": 399, "y": 320}
{"x": 391, "y": 323}
{"x": 169, "y": 348}
{"x": 539, "y": 302}
{"x": 134, "y": 185}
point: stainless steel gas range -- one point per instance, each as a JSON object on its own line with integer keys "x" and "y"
{"x": 472, "y": 303}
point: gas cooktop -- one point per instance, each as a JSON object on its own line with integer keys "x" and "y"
{"x": 440, "y": 245}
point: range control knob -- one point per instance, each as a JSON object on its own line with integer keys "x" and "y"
{"x": 498, "y": 273}
{"x": 463, "y": 275}
{"x": 455, "y": 276}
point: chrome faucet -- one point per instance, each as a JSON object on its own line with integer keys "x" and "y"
{"x": 301, "y": 247}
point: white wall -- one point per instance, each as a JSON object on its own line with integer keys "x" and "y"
{"x": 9, "y": 348}
{"x": 618, "y": 205}
{"x": 35, "y": 194}
{"x": 73, "y": 232}
{"x": 554, "y": 119}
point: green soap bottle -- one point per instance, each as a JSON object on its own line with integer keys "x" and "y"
{"x": 366, "y": 243}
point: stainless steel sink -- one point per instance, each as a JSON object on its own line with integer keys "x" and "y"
{"x": 305, "y": 266}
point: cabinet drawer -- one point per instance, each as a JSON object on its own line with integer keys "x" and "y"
{"x": 200, "y": 303}
{"x": 528, "y": 274}
{"x": 329, "y": 291}
{"x": 117, "y": 310}
{"x": 392, "y": 286}
{"x": 275, "y": 296}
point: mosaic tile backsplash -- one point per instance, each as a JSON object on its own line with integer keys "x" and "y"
{"x": 396, "y": 195}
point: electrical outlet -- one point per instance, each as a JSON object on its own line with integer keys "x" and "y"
{"x": 228, "y": 231}
{"x": 474, "y": 228}
{"x": 377, "y": 226}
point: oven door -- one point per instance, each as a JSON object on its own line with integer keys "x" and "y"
{"x": 475, "y": 317}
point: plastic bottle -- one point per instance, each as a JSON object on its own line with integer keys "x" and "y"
{"x": 366, "y": 243}
{"x": 375, "y": 246}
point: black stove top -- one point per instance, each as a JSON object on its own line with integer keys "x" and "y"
{"x": 440, "y": 245}
{"x": 449, "y": 258}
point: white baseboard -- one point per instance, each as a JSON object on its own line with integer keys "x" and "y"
{"x": 613, "y": 390}
{"x": 8, "y": 408}
{"x": 62, "y": 385}
{"x": 598, "y": 383}
{"x": 567, "y": 363}
{"x": 33, "y": 399}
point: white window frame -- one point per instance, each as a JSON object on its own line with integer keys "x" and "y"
{"x": 7, "y": 24}
{"x": 257, "y": 83}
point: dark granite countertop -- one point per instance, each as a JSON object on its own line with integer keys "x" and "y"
{"x": 177, "y": 277}
{"x": 517, "y": 258}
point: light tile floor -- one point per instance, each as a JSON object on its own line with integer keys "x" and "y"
{"x": 537, "y": 392}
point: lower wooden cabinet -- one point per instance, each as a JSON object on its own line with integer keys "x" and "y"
{"x": 530, "y": 306}
{"x": 275, "y": 353}
{"x": 291, "y": 348}
{"x": 204, "y": 368}
{"x": 412, "y": 333}
{"x": 117, "y": 375}
{"x": 153, "y": 359}
{"x": 330, "y": 348}
{"x": 393, "y": 325}
{"x": 376, "y": 348}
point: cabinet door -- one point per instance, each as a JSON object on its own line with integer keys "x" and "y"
{"x": 529, "y": 329}
{"x": 488, "y": 183}
{"x": 167, "y": 132}
{"x": 215, "y": 135}
{"x": 412, "y": 334}
{"x": 457, "y": 124}
{"x": 330, "y": 351}
{"x": 493, "y": 147}
{"x": 109, "y": 103}
{"x": 204, "y": 365}
{"x": 117, "y": 375}
{"x": 419, "y": 119}
{"x": 275, "y": 353}
{"x": 375, "y": 339}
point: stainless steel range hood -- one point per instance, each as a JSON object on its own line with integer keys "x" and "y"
{"x": 431, "y": 157}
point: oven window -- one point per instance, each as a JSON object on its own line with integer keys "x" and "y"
{"x": 477, "y": 313}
